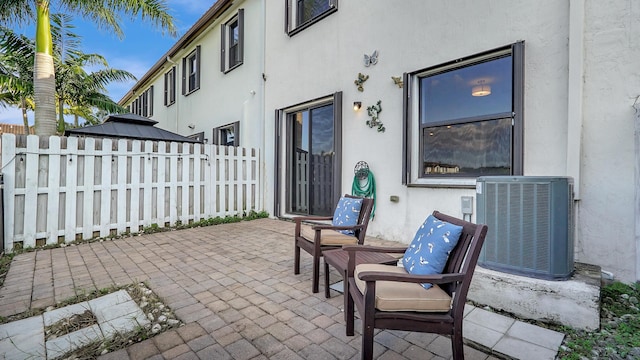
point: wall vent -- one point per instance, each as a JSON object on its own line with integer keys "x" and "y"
{"x": 530, "y": 219}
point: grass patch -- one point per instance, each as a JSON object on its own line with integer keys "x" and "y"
{"x": 619, "y": 334}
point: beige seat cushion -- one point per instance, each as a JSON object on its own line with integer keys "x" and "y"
{"x": 402, "y": 296}
{"x": 328, "y": 237}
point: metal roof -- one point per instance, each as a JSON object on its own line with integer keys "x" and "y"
{"x": 129, "y": 126}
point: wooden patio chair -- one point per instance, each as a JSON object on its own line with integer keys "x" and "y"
{"x": 316, "y": 238}
{"x": 388, "y": 297}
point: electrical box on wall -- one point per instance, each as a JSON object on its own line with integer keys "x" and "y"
{"x": 466, "y": 203}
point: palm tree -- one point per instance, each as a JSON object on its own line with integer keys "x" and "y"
{"x": 16, "y": 72}
{"x": 79, "y": 91}
{"x": 104, "y": 13}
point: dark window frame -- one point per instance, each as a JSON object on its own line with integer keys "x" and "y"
{"x": 291, "y": 25}
{"x": 283, "y": 131}
{"x": 191, "y": 79}
{"x": 143, "y": 104}
{"x": 219, "y": 131}
{"x": 227, "y": 49}
{"x": 170, "y": 87}
{"x": 411, "y": 125}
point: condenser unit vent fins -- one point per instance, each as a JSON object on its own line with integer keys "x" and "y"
{"x": 530, "y": 223}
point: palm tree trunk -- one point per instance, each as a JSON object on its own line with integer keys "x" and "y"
{"x": 25, "y": 119}
{"x": 44, "y": 82}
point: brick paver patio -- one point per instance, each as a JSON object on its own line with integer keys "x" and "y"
{"x": 233, "y": 286}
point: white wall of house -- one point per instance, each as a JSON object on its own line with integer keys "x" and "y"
{"x": 223, "y": 98}
{"x": 572, "y": 127}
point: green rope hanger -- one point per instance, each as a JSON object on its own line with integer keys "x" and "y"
{"x": 366, "y": 189}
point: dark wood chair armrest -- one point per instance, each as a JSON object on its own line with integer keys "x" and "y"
{"x": 298, "y": 219}
{"x": 382, "y": 249}
{"x": 433, "y": 279}
{"x": 336, "y": 227}
{"x": 352, "y": 249}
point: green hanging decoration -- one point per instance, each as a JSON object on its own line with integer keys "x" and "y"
{"x": 374, "y": 111}
{"x": 364, "y": 184}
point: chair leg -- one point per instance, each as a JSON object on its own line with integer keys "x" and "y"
{"x": 296, "y": 259}
{"x": 316, "y": 274}
{"x": 457, "y": 345}
{"x": 367, "y": 341}
{"x": 327, "y": 291}
{"x": 349, "y": 311}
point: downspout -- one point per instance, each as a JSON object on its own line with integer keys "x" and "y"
{"x": 262, "y": 105}
{"x": 575, "y": 92}
{"x": 575, "y": 112}
{"x": 177, "y": 97}
{"x": 636, "y": 106}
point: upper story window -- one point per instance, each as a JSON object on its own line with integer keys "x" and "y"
{"x": 143, "y": 104}
{"x": 191, "y": 72}
{"x": 468, "y": 118}
{"x": 227, "y": 135}
{"x": 232, "y": 43}
{"x": 301, "y": 14}
{"x": 170, "y": 87}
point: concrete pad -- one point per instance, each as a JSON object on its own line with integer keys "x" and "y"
{"x": 467, "y": 309}
{"x": 480, "y": 334}
{"x": 109, "y": 300}
{"x": 104, "y": 314}
{"x": 574, "y": 302}
{"x": 537, "y": 335}
{"x": 53, "y": 316}
{"x": 26, "y": 327}
{"x": 490, "y": 320}
{"x": 72, "y": 341}
{"x": 124, "y": 324}
{"x": 523, "y": 350}
{"x": 24, "y": 346}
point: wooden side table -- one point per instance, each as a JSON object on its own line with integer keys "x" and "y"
{"x": 339, "y": 259}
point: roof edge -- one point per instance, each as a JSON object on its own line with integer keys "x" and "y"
{"x": 212, "y": 14}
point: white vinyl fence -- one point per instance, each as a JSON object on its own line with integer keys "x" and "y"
{"x": 59, "y": 189}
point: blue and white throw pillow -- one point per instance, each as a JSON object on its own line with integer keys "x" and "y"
{"x": 428, "y": 252}
{"x": 346, "y": 214}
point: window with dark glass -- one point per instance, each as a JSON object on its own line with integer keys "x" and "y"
{"x": 191, "y": 72}
{"x": 170, "y": 87}
{"x": 302, "y": 13}
{"x": 227, "y": 135}
{"x": 232, "y": 43}
{"x": 469, "y": 116}
{"x": 143, "y": 104}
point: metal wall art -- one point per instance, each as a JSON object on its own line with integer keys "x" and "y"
{"x": 398, "y": 81}
{"x": 374, "y": 111}
{"x": 371, "y": 59}
{"x": 360, "y": 81}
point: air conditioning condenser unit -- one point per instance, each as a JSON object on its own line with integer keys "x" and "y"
{"x": 531, "y": 229}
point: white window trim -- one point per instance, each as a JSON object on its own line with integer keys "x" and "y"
{"x": 291, "y": 13}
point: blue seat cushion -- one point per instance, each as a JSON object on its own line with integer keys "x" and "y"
{"x": 428, "y": 252}
{"x": 347, "y": 213}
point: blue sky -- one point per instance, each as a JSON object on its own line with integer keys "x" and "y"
{"x": 142, "y": 46}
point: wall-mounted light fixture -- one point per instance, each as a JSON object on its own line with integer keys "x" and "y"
{"x": 481, "y": 89}
{"x": 357, "y": 105}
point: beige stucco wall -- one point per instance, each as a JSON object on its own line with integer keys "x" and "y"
{"x": 222, "y": 98}
{"x": 611, "y": 85}
{"x": 414, "y": 34}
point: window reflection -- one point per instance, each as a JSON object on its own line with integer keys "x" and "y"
{"x": 447, "y": 95}
{"x": 479, "y": 148}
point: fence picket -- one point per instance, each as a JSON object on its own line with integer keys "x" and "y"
{"x": 70, "y": 189}
{"x": 74, "y": 188}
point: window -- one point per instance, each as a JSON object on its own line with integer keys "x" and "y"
{"x": 170, "y": 87}
{"x": 468, "y": 117}
{"x": 301, "y": 14}
{"x": 191, "y": 72}
{"x": 143, "y": 104}
{"x": 232, "y": 43}
{"x": 228, "y": 135}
